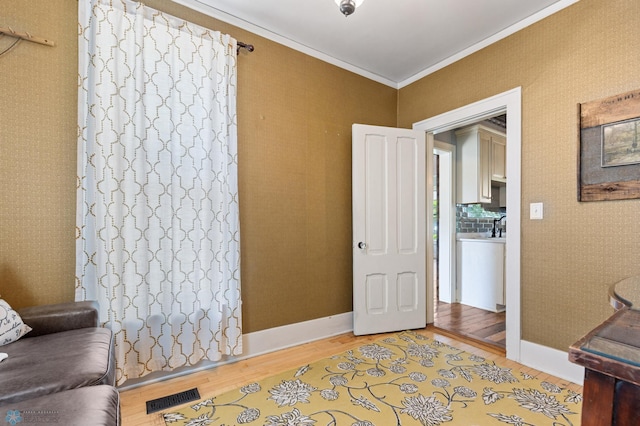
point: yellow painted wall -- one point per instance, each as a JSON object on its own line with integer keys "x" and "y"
{"x": 294, "y": 115}
{"x": 294, "y": 130}
{"x": 38, "y": 115}
{"x": 585, "y": 52}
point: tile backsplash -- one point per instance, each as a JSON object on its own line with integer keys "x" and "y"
{"x": 474, "y": 218}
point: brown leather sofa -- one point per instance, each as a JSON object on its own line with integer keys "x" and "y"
{"x": 63, "y": 371}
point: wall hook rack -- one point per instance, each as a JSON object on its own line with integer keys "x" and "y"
{"x": 26, "y": 36}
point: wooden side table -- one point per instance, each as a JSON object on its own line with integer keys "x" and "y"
{"x": 611, "y": 356}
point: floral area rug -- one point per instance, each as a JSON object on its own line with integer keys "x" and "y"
{"x": 401, "y": 379}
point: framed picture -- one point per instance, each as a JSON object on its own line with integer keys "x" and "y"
{"x": 609, "y": 149}
{"x": 620, "y": 143}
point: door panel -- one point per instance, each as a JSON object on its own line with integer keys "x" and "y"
{"x": 407, "y": 291}
{"x": 389, "y": 229}
{"x": 407, "y": 195}
{"x": 376, "y": 194}
{"x": 376, "y": 293}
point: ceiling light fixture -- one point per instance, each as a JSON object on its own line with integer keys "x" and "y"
{"x": 347, "y": 7}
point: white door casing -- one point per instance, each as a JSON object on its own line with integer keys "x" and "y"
{"x": 511, "y": 103}
{"x": 447, "y": 224}
{"x": 390, "y": 228}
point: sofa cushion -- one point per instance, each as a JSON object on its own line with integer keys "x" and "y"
{"x": 93, "y": 405}
{"x": 11, "y": 326}
{"x": 56, "y": 362}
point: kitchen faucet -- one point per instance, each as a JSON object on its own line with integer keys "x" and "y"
{"x": 495, "y": 226}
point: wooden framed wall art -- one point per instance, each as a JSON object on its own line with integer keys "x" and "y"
{"x": 609, "y": 149}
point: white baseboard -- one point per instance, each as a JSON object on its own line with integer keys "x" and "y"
{"x": 277, "y": 338}
{"x": 261, "y": 342}
{"x": 542, "y": 358}
{"x": 550, "y": 361}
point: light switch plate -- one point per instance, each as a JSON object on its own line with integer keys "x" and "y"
{"x": 535, "y": 211}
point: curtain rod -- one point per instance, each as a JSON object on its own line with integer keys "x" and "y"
{"x": 242, "y": 45}
{"x": 26, "y": 36}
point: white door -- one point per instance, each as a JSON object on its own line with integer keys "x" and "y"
{"x": 390, "y": 227}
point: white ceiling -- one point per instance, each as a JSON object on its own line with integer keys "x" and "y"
{"x": 394, "y": 42}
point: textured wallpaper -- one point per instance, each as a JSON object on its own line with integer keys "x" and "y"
{"x": 585, "y": 52}
{"x": 295, "y": 114}
{"x": 294, "y": 140}
{"x": 38, "y": 153}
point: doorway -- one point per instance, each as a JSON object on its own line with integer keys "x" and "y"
{"x": 510, "y": 103}
{"x": 477, "y": 324}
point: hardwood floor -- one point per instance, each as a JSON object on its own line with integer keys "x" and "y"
{"x": 227, "y": 377}
{"x": 473, "y": 323}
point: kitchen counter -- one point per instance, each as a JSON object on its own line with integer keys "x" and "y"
{"x": 483, "y": 238}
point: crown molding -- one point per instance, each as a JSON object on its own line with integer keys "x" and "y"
{"x": 204, "y": 8}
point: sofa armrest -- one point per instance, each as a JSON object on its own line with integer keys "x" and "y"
{"x": 47, "y": 319}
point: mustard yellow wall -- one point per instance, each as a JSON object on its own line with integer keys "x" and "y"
{"x": 38, "y": 115}
{"x": 588, "y": 51}
{"x": 294, "y": 128}
{"x": 294, "y": 118}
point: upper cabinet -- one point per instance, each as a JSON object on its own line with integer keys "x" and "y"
{"x": 481, "y": 155}
{"x": 498, "y": 157}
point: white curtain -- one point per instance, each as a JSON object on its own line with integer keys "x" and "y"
{"x": 157, "y": 207}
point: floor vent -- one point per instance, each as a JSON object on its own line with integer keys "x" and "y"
{"x": 172, "y": 400}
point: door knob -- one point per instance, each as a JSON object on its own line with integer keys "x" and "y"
{"x": 362, "y": 245}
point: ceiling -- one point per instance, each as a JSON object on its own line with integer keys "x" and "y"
{"x": 394, "y": 42}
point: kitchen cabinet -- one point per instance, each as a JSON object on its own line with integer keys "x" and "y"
{"x": 481, "y": 273}
{"x": 502, "y": 201}
{"x": 498, "y": 158}
{"x": 481, "y": 158}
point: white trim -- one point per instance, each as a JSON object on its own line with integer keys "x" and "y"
{"x": 542, "y": 358}
{"x": 262, "y": 342}
{"x": 509, "y": 102}
{"x": 447, "y": 226}
{"x": 274, "y": 339}
{"x": 551, "y": 361}
{"x": 544, "y": 13}
{"x": 204, "y": 8}
{"x": 430, "y": 294}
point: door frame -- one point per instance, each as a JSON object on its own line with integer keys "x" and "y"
{"x": 509, "y": 102}
{"x": 447, "y": 224}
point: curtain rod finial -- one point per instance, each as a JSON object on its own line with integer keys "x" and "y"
{"x": 248, "y": 47}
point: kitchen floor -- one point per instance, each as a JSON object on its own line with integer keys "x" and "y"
{"x": 473, "y": 323}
